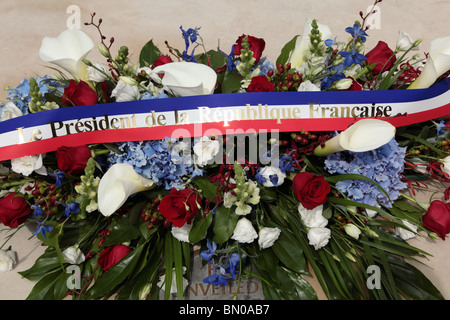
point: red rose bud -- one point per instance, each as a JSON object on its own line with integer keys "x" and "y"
{"x": 260, "y": 84}
{"x": 14, "y": 210}
{"x": 383, "y": 58}
{"x": 112, "y": 255}
{"x": 163, "y": 59}
{"x": 437, "y": 218}
{"x": 256, "y": 45}
{"x": 79, "y": 94}
{"x": 72, "y": 160}
{"x": 310, "y": 189}
{"x": 180, "y": 207}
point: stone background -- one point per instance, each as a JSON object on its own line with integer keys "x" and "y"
{"x": 24, "y": 23}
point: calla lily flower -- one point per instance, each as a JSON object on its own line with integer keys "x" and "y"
{"x": 188, "y": 78}
{"x": 364, "y": 135}
{"x": 437, "y": 63}
{"x": 68, "y": 51}
{"x": 118, "y": 183}
{"x": 297, "y": 56}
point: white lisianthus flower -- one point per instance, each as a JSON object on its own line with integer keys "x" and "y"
{"x": 273, "y": 176}
{"x": 364, "y": 135}
{"x": 267, "y": 237}
{"x": 149, "y": 73}
{"x": 9, "y": 110}
{"x": 446, "y": 165}
{"x": 352, "y": 230}
{"x": 73, "y": 255}
{"x": 68, "y": 51}
{"x": 205, "y": 150}
{"x": 187, "y": 78}
{"x": 7, "y": 260}
{"x": 404, "y": 42}
{"x": 117, "y": 184}
{"x": 125, "y": 91}
{"x": 27, "y": 164}
{"x": 182, "y": 233}
{"x": 308, "y": 86}
{"x": 313, "y": 218}
{"x": 173, "y": 286}
{"x": 229, "y": 199}
{"x": 97, "y": 74}
{"x": 302, "y": 44}
{"x": 244, "y": 231}
{"x": 406, "y": 234}
{"x": 319, "y": 237}
{"x": 437, "y": 63}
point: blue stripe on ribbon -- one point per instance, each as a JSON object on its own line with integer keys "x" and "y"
{"x": 225, "y": 100}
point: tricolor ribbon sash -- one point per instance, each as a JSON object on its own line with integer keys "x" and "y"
{"x": 218, "y": 114}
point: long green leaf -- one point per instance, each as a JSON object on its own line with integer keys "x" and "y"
{"x": 168, "y": 253}
{"x": 178, "y": 262}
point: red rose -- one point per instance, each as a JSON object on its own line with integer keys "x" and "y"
{"x": 382, "y": 56}
{"x": 180, "y": 207}
{"x": 73, "y": 160}
{"x": 437, "y": 218}
{"x": 111, "y": 255}
{"x": 311, "y": 190}
{"x": 256, "y": 45}
{"x": 261, "y": 84}
{"x": 163, "y": 59}
{"x": 14, "y": 210}
{"x": 79, "y": 94}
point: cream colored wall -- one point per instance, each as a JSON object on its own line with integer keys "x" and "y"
{"x": 24, "y": 23}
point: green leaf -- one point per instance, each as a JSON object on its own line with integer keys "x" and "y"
{"x": 168, "y": 253}
{"x": 126, "y": 227}
{"x": 149, "y": 54}
{"x": 178, "y": 262}
{"x": 301, "y": 287}
{"x": 290, "y": 253}
{"x": 208, "y": 188}
{"x": 224, "y": 224}
{"x": 200, "y": 227}
{"x": 216, "y": 59}
{"x": 43, "y": 289}
{"x": 286, "y": 51}
{"x": 116, "y": 275}
{"x": 231, "y": 82}
{"x": 45, "y": 264}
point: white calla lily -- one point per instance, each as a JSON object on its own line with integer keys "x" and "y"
{"x": 297, "y": 56}
{"x": 437, "y": 63}
{"x": 364, "y": 135}
{"x": 68, "y": 51}
{"x": 118, "y": 183}
{"x": 187, "y": 78}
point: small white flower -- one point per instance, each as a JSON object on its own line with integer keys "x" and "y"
{"x": 446, "y": 165}
{"x": 27, "y": 164}
{"x": 96, "y": 74}
{"x": 173, "y": 287}
{"x": 125, "y": 92}
{"x": 244, "y": 231}
{"x": 205, "y": 150}
{"x": 9, "y": 111}
{"x": 270, "y": 171}
{"x": 319, "y": 237}
{"x": 149, "y": 73}
{"x": 268, "y": 236}
{"x": 7, "y": 260}
{"x": 404, "y": 233}
{"x": 404, "y": 42}
{"x": 229, "y": 199}
{"x": 308, "y": 86}
{"x": 73, "y": 255}
{"x": 182, "y": 233}
{"x": 313, "y": 218}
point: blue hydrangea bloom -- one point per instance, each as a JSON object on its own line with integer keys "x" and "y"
{"x": 20, "y": 95}
{"x": 163, "y": 161}
{"x": 383, "y": 165}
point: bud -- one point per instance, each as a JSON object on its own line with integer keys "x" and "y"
{"x": 350, "y": 256}
{"x": 129, "y": 81}
{"x": 352, "y": 230}
{"x": 103, "y": 50}
{"x": 433, "y": 235}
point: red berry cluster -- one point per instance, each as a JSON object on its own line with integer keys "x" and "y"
{"x": 150, "y": 213}
{"x": 285, "y": 78}
{"x": 47, "y": 197}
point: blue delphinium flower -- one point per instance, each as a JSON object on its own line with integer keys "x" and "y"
{"x": 233, "y": 262}
{"x": 356, "y": 32}
{"x": 352, "y": 57}
{"x": 59, "y": 176}
{"x": 208, "y": 254}
{"x": 37, "y": 210}
{"x": 72, "y": 207}
{"x": 190, "y": 36}
{"x": 42, "y": 228}
{"x": 156, "y": 160}
{"x": 216, "y": 279}
{"x": 383, "y": 165}
{"x": 336, "y": 73}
